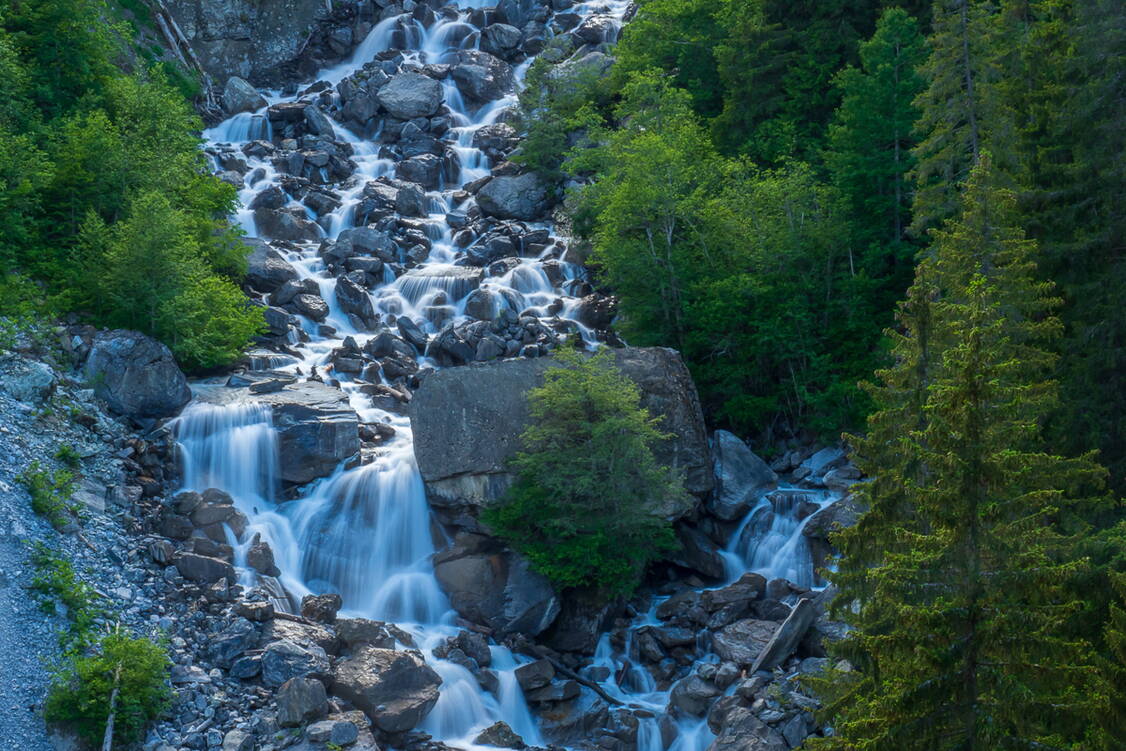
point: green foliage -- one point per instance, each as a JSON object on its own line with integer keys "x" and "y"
{"x": 57, "y": 583}
{"x": 82, "y": 693}
{"x": 85, "y": 149}
{"x": 584, "y": 507}
{"x": 962, "y": 568}
{"x": 68, "y": 455}
{"x": 50, "y": 493}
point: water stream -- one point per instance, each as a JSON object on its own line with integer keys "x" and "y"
{"x": 366, "y": 532}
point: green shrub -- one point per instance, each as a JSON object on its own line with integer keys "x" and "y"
{"x": 82, "y": 691}
{"x": 68, "y": 455}
{"x": 50, "y": 493}
{"x": 582, "y": 508}
{"x": 56, "y": 582}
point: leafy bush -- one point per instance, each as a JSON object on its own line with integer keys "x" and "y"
{"x": 68, "y": 455}
{"x": 123, "y": 676}
{"x": 50, "y": 492}
{"x": 56, "y": 582}
{"x": 582, "y": 508}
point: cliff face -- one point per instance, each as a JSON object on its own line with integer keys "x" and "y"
{"x": 270, "y": 42}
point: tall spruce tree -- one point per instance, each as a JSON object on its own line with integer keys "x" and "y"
{"x": 956, "y": 580}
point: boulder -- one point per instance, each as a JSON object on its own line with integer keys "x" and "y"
{"x": 743, "y": 641}
{"x": 523, "y": 197}
{"x": 499, "y": 735}
{"x": 26, "y": 380}
{"x": 283, "y": 660}
{"x": 301, "y": 701}
{"x": 743, "y": 731}
{"x": 240, "y": 96}
{"x": 136, "y": 375}
{"x": 481, "y": 77}
{"x": 353, "y": 298}
{"x": 226, "y": 646}
{"x": 741, "y": 477}
{"x": 395, "y": 689}
{"x": 692, "y": 695}
{"x": 698, "y": 553}
{"x": 787, "y": 637}
{"x": 322, "y": 608}
{"x": 203, "y": 569}
{"x": 424, "y": 169}
{"x": 490, "y": 585}
{"x": 535, "y": 674}
{"x": 409, "y": 95}
{"x": 266, "y": 269}
{"x": 500, "y": 39}
{"x": 467, "y": 423}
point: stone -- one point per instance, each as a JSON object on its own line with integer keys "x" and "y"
{"x": 301, "y": 700}
{"x": 136, "y": 375}
{"x": 353, "y": 298}
{"x": 283, "y": 660}
{"x": 523, "y": 197}
{"x": 238, "y": 740}
{"x": 409, "y": 95}
{"x": 318, "y": 123}
{"x": 226, "y": 646}
{"x": 240, "y": 96}
{"x": 26, "y": 380}
{"x": 698, "y": 553}
{"x": 312, "y": 306}
{"x": 304, "y": 634}
{"x": 535, "y": 674}
{"x": 824, "y": 460}
{"x": 741, "y": 477}
{"x": 266, "y": 269}
{"x": 467, "y": 423}
{"x": 750, "y": 586}
{"x": 500, "y": 735}
{"x": 743, "y": 641}
{"x": 353, "y": 631}
{"x": 500, "y": 39}
{"x": 424, "y": 169}
{"x": 395, "y": 689}
{"x": 204, "y": 569}
{"x": 693, "y": 695}
{"x": 260, "y": 557}
{"x": 786, "y": 638}
{"x": 742, "y": 731}
{"x": 481, "y": 77}
{"x": 322, "y": 608}
{"x": 410, "y": 332}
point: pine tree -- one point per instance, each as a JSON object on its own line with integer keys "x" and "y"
{"x": 960, "y": 114}
{"x": 956, "y": 581}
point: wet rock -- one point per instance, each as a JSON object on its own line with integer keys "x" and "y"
{"x": 289, "y": 224}
{"x": 500, "y": 39}
{"x": 353, "y": 631}
{"x": 787, "y": 637}
{"x": 489, "y": 585}
{"x": 240, "y": 96}
{"x": 226, "y": 646}
{"x": 311, "y": 306}
{"x": 481, "y": 77}
{"x": 395, "y": 689}
{"x": 535, "y": 675}
{"x": 742, "y": 642}
{"x": 693, "y": 695}
{"x": 424, "y": 169}
{"x": 304, "y": 634}
{"x": 750, "y": 586}
{"x": 499, "y": 735}
{"x": 698, "y": 553}
{"x": 353, "y": 298}
{"x": 136, "y": 375}
{"x": 260, "y": 557}
{"x": 317, "y": 122}
{"x": 596, "y": 30}
{"x": 409, "y": 95}
{"x": 742, "y": 731}
{"x": 412, "y": 333}
{"x": 741, "y": 477}
{"x": 300, "y": 701}
{"x": 285, "y": 659}
{"x": 321, "y": 608}
{"x": 201, "y": 568}
{"x": 524, "y": 197}
{"x": 596, "y": 311}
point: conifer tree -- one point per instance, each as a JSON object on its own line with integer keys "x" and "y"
{"x": 956, "y": 580}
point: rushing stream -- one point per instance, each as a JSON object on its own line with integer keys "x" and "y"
{"x": 366, "y": 532}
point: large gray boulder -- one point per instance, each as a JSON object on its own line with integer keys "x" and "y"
{"x": 741, "y": 477}
{"x": 266, "y": 270}
{"x": 523, "y": 197}
{"x": 25, "y": 379}
{"x": 409, "y": 95}
{"x": 743, "y": 641}
{"x": 741, "y": 730}
{"x": 467, "y": 423}
{"x": 481, "y": 77}
{"x": 489, "y": 585}
{"x": 395, "y": 689}
{"x": 136, "y": 375}
{"x": 240, "y": 96}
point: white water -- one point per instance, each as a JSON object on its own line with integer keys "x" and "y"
{"x": 366, "y": 532}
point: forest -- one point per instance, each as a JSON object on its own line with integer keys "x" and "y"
{"x": 900, "y": 225}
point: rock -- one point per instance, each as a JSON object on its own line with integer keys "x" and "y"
{"x": 535, "y": 675}
{"x": 410, "y": 332}
{"x": 240, "y": 96}
{"x": 500, "y": 39}
{"x": 481, "y": 77}
{"x": 467, "y": 423}
{"x": 409, "y": 95}
{"x": 136, "y": 375}
{"x": 424, "y": 169}
{"x": 824, "y": 460}
{"x": 260, "y": 557}
{"x": 570, "y": 75}
{"x": 493, "y": 586}
{"x": 741, "y": 477}
{"x": 692, "y": 695}
{"x": 742, "y": 731}
{"x": 312, "y": 306}
{"x": 226, "y": 646}
{"x": 304, "y": 634}
{"x": 353, "y": 298}
{"x": 301, "y": 700}
{"x": 595, "y": 30}
{"x": 743, "y": 641}
{"x": 499, "y": 735}
{"x": 322, "y": 608}
{"x": 750, "y": 586}
{"x": 238, "y": 740}
{"x": 353, "y": 631}
{"x": 698, "y": 553}
{"x": 786, "y": 638}
{"x": 285, "y": 659}
{"x": 523, "y": 197}
{"x": 395, "y": 689}
{"x": 318, "y": 123}
{"x": 201, "y": 568}
{"x": 26, "y": 380}
{"x": 844, "y": 513}
{"x": 596, "y": 311}
{"x": 266, "y": 269}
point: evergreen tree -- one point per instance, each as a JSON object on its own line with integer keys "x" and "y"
{"x": 960, "y": 572}
{"x": 870, "y": 146}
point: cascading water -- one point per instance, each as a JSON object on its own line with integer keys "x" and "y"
{"x": 365, "y": 532}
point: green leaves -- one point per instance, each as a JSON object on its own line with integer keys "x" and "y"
{"x": 585, "y": 505}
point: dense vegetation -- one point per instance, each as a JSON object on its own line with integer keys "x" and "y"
{"x": 110, "y": 209}
{"x": 583, "y": 505}
{"x": 762, "y": 183}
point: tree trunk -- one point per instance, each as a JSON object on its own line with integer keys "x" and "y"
{"x": 107, "y": 739}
